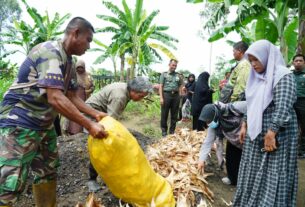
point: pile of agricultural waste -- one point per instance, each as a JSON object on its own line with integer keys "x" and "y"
{"x": 175, "y": 158}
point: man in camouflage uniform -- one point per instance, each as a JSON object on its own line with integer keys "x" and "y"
{"x": 45, "y": 85}
{"x": 171, "y": 84}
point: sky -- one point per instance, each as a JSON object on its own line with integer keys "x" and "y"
{"x": 193, "y": 52}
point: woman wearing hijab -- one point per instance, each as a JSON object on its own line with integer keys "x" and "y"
{"x": 189, "y": 87}
{"x": 84, "y": 90}
{"x": 224, "y": 121}
{"x": 187, "y": 99}
{"x": 268, "y": 173}
{"x": 202, "y": 96}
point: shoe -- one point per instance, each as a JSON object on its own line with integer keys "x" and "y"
{"x": 93, "y": 186}
{"x": 226, "y": 181}
{"x": 172, "y": 132}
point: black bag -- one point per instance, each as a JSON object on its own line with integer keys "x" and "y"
{"x": 225, "y": 94}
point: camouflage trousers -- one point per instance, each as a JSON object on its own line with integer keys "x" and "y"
{"x": 21, "y": 149}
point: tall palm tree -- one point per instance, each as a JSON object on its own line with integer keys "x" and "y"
{"x": 134, "y": 34}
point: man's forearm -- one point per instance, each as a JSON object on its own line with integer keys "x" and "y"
{"x": 81, "y": 105}
{"x": 161, "y": 91}
{"x": 65, "y": 107}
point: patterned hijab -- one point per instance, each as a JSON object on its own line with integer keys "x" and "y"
{"x": 259, "y": 89}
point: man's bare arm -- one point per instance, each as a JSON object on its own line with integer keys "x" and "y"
{"x": 83, "y": 107}
{"x": 65, "y": 107}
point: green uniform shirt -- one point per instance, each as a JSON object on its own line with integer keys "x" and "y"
{"x": 112, "y": 99}
{"x": 300, "y": 80}
{"x": 238, "y": 78}
{"x": 171, "y": 81}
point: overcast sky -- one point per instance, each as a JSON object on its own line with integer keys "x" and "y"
{"x": 183, "y": 19}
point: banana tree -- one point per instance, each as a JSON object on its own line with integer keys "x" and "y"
{"x": 134, "y": 35}
{"x": 273, "y": 22}
{"x": 44, "y": 28}
{"x": 301, "y": 37}
{"x": 107, "y": 52}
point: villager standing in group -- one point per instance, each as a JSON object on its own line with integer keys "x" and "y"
{"x": 84, "y": 90}
{"x": 202, "y": 96}
{"x": 299, "y": 74}
{"x": 268, "y": 173}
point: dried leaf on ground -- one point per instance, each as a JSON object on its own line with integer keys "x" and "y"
{"x": 91, "y": 201}
{"x": 175, "y": 158}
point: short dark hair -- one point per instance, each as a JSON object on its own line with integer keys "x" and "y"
{"x": 79, "y": 22}
{"x": 241, "y": 46}
{"x": 173, "y": 60}
{"x": 298, "y": 55}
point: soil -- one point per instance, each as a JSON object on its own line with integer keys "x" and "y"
{"x": 73, "y": 172}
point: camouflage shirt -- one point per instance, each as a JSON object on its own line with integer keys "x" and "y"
{"x": 171, "y": 81}
{"x": 25, "y": 104}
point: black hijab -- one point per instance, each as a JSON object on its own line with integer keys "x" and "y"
{"x": 190, "y": 86}
{"x": 202, "y": 93}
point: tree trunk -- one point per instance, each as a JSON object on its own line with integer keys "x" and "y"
{"x": 115, "y": 69}
{"x": 128, "y": 74}
{"x": 135, "y": 51}
{"x": 301, "y": 37}
{"x": 122, "y": 57}
{"x": 133, "y": 64}
{"x": 284, "y": 48}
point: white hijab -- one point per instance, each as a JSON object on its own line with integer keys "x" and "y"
{"x": 259, "y": 89}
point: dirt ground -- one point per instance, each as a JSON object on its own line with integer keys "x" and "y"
{"x": 73, "y": 172}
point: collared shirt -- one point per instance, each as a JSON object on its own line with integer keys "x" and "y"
{"x": 300, "y": 81}
{"x": 238, "y": 78}
{"x": 112, "y": 99}
{"x": 171, "y": 81}
{"x": 25, "y": 104}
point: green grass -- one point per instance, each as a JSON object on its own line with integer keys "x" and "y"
{"x": 147, "y": 108}
{"x": 150, "y": 131}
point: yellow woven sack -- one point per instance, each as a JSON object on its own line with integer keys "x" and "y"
{"x": 121, "y": 163}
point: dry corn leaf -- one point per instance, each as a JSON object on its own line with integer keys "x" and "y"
{"x": 175, "y": 158}
{"x": 91, "y": 202}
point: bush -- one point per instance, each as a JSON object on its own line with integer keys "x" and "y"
{"x": 7, "y": 75}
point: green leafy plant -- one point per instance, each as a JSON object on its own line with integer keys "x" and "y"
{"x": 27, "y": 36}
{"x": 132, "y": 32}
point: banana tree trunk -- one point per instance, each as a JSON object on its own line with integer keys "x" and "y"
{"x": 133, "y": 64}
{"x": 284, "y": 48}
{"x": 134, "y": 56}
{"x": 114, "y": 68}
{"x": 122, "y": 57}
{"x": 301, "y": 37}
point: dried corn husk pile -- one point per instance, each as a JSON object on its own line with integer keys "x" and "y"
{"x": 175, "y": 158}
{"x": 92, "y": 201}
